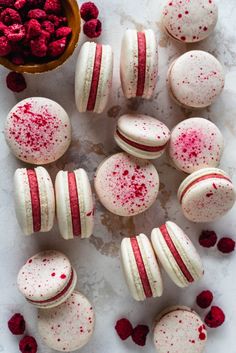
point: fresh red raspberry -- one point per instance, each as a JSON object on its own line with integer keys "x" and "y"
{"x": 63, "y": 32}
{"x": 57, "y": 20}
{"x": 2, "y": 28}
{"x": 53, "y": 6}
{"x": 208, "y": 238}
{"x": 89, "y": 11}
{"x": 48, "y": 26}
{"x": 92, "y": 28}
{"x": 139, "y": 334}
{"x": 45, "y": 35}
{"x": 17, "y": 58}
{"x": 39, "y": 47}
{"x": 16, "y": 324}
{"x": 204, "y": 299}
{"x": 124, "y": 328}
{"x": 10, "y": 17}
{"x": 5, "y": 46}
{"x": 15, "y": 32}
{"x": 226, "y": 245}
{"x": 19, "y": 4}
{"x": 57, "y": 47}
{"x": 37, "y": 14}
{"x": 215, "y": 317}
{"x": 33, "y": 28}
{"x": 28, "y": 345}
{"x": 6, "y": 3}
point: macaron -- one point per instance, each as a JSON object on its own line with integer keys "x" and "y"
{"x": 195, "y": 79}
{"x": 47, "y": 279}
{"x": 139, "y": 63}
{"x": 93, "y": 77}
{"x": 126, "y": 185}
{"x": 69, "y": 326}
{"x": 179, "y": 329}
{"x": 177, "y": 254}
{"x": 38, "y": 130}
{"x": 206, "y": 195}
{"x": 34, "y": 200}
{"x": 142, "y": 136}
{"x": 189, "y": 21}
{"x": 140, "y": 267}
{"x": 195, "y": 143}
{"x": 74, "y": 203}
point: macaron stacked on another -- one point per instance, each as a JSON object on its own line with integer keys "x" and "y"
{"x": 139, "y": 63}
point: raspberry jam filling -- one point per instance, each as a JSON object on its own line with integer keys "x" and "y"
{"x": 141, "y": 63}
{"x": 95, "y": 78}
{"x": 139, "y": 145}
{"x": 74, "y": 204}
{"x": 175, "y": 253}
{"x": 141, "y": 267}
{"x": 204, "y": 177}
{"x": 35, "y": 199}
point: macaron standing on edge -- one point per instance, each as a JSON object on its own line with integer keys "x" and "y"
{"x": 93, "y": 77}
{"x": 38, "y": 130}
{"x": 74, "y": 201}
{"x": 34, "y": 200}
{"x": 141, "y": 268}
{"x": 206, "y": 195}
{"x": 142, "y": 136}
{"x": 139, "y": 63}
{"x": 177, "y": 254}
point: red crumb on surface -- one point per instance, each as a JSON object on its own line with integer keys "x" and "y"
{"x": 28, "y": 344}
{"x": 208, "y": 238}
{"x": 89, "y": 11}
{"x": 204, "y": 299}
{"x": 215, "y": 317}
{"x": 123, "y": 328}
{"x": 226, "y": 245}
{"x": 202, "y": 333}
{"x": 92, "y": 28}
{"x": 15, "y": 82}
{"x": 139, "y": 334}
{"x": 16, "y": 324}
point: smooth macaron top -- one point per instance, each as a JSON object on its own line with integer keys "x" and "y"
{"x": 189, "y": 21}
{"x": 180, "y": 329}
{"x": 195, "y": 143}
{"x": 196, "y": 79}
{"x": 45, "y": 276}
{"x": 69, "y": 326}
{"x": 38, "y": 130}
{"x": 125, "y": 185}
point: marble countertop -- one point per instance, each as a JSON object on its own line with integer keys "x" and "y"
{"x": 97, "y": 259}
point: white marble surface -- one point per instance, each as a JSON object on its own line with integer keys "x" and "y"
{"x": 97, "y": 259}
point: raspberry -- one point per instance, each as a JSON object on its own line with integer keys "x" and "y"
{"x": 48, "y": 26}
{"x": 124, "y": 328}
{"x": 17, "y": 59}
{"x": 204, "y": 299}
{"x": 6, "y": 3}
{"x": 208, "y": 238}
{"x": 5, "y": 46}
{"x": 19, "y": 4}
{"x": 139, "y": 334}
{"x": 33, "y": 29}
{"x": 89, "y": 11}
{"x": 37, "y": 14}
{"x": 16, "y": 324}
{"x": 63, "y": 32}
{"x": 53, "y": 6}
{"x": 57, "y": 21}
{"x": 226, "y": 245}
{"x": 2, "y": 28}
{"x": 39, "y": 47}
{"x": 15, "y": 32}
{"x": 92, "y": 28}
{"x": 10, "y": 17}
{"x": 215, "y": 317}
{"x": 57, "y": 47}
{"x": 28, "y": 345}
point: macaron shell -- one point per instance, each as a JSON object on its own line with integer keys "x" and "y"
{"x": 151, "y": 64}
{"x": 67, "y": 327}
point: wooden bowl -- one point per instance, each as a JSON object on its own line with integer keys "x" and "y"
{"x": 72, "y": 13}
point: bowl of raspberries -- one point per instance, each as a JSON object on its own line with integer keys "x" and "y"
{"x": 37, "y": 35}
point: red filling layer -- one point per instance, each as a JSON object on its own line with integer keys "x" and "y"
{"x": 95, "y": 78}
{"x": 176, "y": 254}
{"x": 204, "y": 177}
{"x": 141, "y": 267}
{"x": 59, "y": 295}
{"x": 140, "y": 146}
{"x": 141, "y": 63}
{"x": 35, "y": 199}
{"x": 74, "y": 204}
